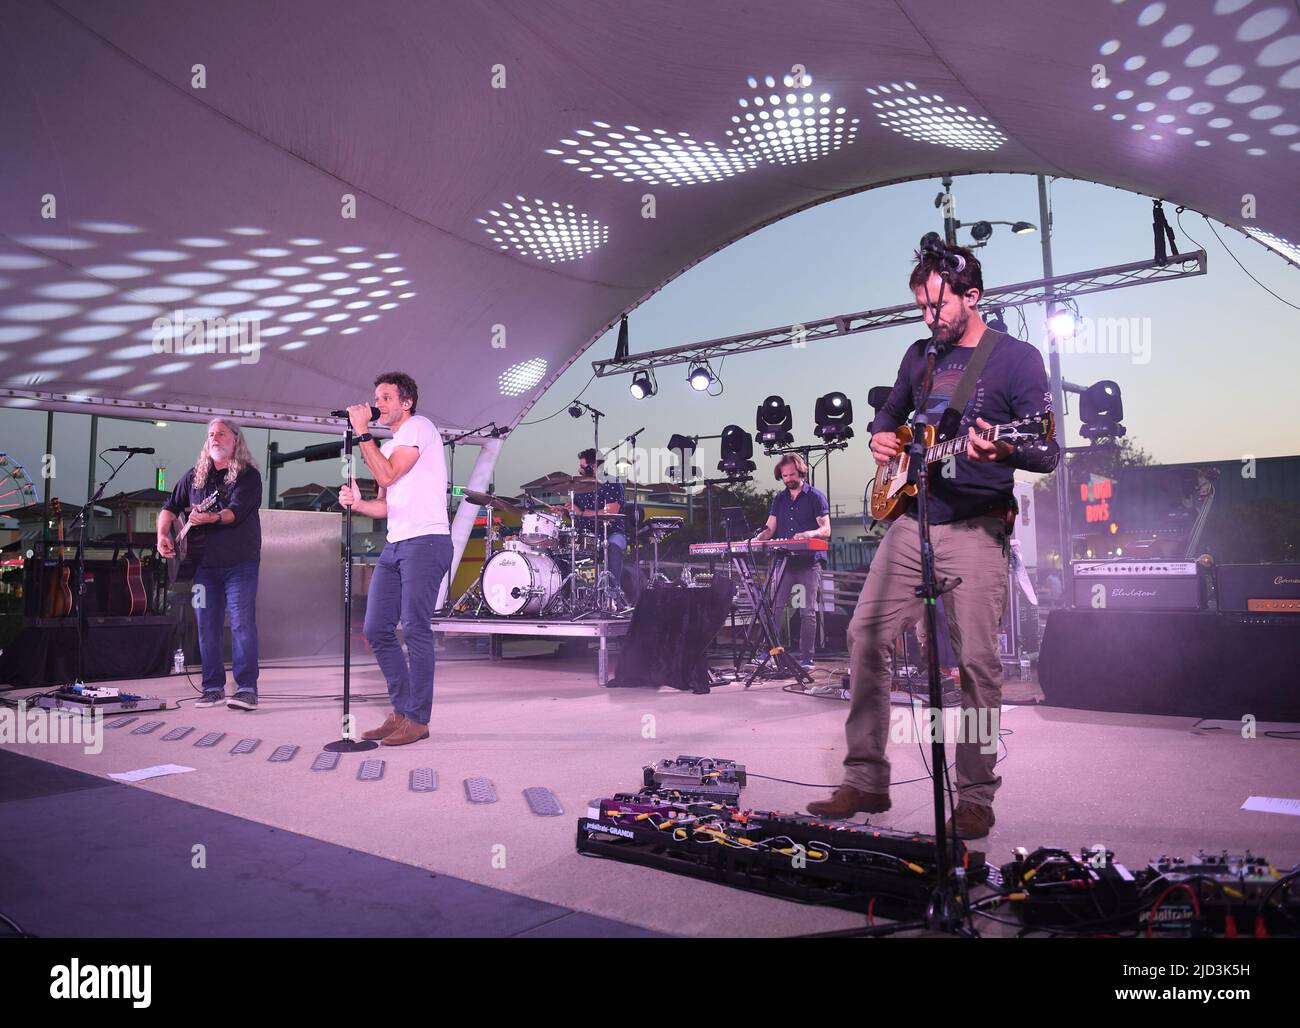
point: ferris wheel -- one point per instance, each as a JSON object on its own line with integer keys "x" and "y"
{"x": 16, "y": 486}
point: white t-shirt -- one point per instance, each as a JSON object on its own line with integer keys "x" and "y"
{"x": 417, "y": 502}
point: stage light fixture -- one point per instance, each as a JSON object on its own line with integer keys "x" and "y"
{"x": 700, "y": 376}
{"x": 1061, "y": 324}
{"x": 737, "y": 449}
{"x": 981, "y": 231}
{"x": 643, "y": 385}
{"x": 773, "y": 421}
{"x": 1101, "y": 409}
{"x": 683, "y": 446}
{"x": 877, "y": 395}
{"x": 834, "y": 416}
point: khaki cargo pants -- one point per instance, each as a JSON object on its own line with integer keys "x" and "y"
{"x": 976, "y": 551}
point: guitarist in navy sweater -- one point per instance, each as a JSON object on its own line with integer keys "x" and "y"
{"x": 970, "y": 500}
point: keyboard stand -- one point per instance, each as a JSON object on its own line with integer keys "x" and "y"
{"x": 762, "y": 597}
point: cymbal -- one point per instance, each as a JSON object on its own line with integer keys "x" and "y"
{"x": 539, "y": 484}
{"x": 488, "y": 500}
{"x": 564, "y": 483}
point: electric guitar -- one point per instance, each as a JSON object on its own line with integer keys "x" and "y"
{"x": 888, "y": 494}
{"x": 57, "y": 592}
{"x": 174, "y": 564}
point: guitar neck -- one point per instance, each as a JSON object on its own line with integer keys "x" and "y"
{"x": 957, "y": 445}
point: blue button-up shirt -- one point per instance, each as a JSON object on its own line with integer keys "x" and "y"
{"x": 799, "y": 514}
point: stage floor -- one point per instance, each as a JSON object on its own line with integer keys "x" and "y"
{"x": 1142, "y": 786}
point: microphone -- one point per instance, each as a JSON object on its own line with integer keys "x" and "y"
{"x": 130, "y": 449}
{"x": 374, "y": 413}
{"x": 936, "y": 247}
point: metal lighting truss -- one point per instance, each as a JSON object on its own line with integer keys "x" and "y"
{"x": 1060, "y": 288}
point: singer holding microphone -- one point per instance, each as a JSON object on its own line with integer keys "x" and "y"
{"x": 226, "y": 547}
{"x": 412, "y": 475}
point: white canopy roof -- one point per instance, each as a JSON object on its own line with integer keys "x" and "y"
{"x": 464, "y": 190}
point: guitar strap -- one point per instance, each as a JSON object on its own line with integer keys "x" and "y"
{"x": 951, "y": 418}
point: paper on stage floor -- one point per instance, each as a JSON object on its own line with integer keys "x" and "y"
{"x": 157, "y": 771}
{"x": 1272, "y": 805}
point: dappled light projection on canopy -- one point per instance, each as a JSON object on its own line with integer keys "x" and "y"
{"x": 342, "y": 175}
{"x": 1222, "y": 83}
{"x": 125, "y": 307}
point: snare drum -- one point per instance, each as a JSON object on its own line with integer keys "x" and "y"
{"x": 540, "y": 530}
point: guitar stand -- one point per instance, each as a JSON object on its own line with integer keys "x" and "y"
{"x": 81, "y": 568}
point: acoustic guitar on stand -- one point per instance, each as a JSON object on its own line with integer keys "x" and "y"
{"x": 888, "y": 495}
{"x": 126, "y": 592}
{"x": 56, "y": 588}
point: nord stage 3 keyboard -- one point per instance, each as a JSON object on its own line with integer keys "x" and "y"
{"x": 758, "y": 546}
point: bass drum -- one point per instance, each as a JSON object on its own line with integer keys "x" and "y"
{"x": 517, "y": 582}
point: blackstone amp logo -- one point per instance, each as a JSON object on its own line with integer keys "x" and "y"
{"x": 103, "y": 981}
{"x": 1117, "y": 592}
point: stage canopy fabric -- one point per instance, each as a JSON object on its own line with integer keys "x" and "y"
{"x": 474, "y": 192}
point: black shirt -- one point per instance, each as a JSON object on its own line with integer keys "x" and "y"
{"x": 218, "y": 545}
{"x": 607, "y": 492}
{"x": 1013, "y": 385}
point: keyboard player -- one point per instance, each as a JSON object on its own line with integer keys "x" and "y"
{"x": 799, "y": 511}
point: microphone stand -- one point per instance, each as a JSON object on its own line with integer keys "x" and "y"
{"x": 943, "y": 913}
{"x": 631, "y": 515}
{"x": 348, "y": 744}
{"x": 81, "y": 567}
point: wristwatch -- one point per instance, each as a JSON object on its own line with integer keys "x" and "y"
{"x": 366, "y": 438}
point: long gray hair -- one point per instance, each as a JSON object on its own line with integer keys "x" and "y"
{"x": 240, "y": 459}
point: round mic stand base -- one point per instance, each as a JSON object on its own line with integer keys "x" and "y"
{"x": 350, "y": 746}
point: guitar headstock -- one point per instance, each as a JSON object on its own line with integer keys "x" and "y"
{"x": 1033, "y": 428}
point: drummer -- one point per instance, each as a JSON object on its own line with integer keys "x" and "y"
{"x": 608, "y": 498}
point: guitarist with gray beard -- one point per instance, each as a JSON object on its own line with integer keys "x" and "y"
{"x": 226, "y": 544}
{"x": 970, "y": 500}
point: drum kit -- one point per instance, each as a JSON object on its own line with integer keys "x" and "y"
{"x": 555, "y": 565}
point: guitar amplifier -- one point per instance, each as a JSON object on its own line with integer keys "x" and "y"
{"x": 1258, "y": 588}
{"x": 1138, "y": 585}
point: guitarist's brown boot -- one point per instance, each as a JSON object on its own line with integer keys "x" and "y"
{"x": 392, "y": 723}
{"x": 848, "y": 801}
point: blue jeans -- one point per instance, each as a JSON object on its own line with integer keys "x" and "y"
{"x": 614, "y": 555}
{"x": 234, "y": 589}
{"x": 405, "y": 588}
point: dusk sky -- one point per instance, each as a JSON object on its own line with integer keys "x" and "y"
{"x": 1198, "y": 393}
